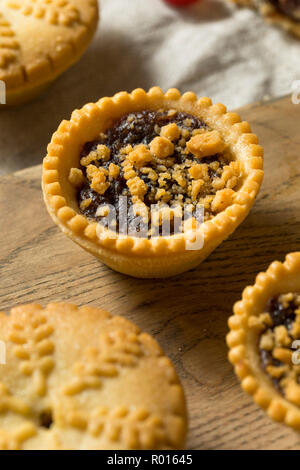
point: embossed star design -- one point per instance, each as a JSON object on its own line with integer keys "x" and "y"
{"x": 10, "y": 403}
{"x": 138, "y": 427}
{"x": 120, "y": 349}
{"x": 12, "y": 440}
{"x": 35, "y": 350}
{"x": 9, "y": 47}
{"x": 61, "y": 12}
{"x": 55, "y": 12}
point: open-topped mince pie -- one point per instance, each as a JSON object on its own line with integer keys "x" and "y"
{"x": 264, "y": 340}
{"x": 149, "y": 182}
{"x": 285, "y": 13}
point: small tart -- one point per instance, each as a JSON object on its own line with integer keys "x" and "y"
{"x": 285, "y": 13}
{"x": 264, "y": 340}
{"x": 80, "y": 379}
{"x": 171, "y": 152}
{"x": 40, "y": 39}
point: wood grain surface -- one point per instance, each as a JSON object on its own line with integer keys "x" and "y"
{"x": 186, "y": 314}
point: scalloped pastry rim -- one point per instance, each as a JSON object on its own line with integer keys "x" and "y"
{"x": 279, "y": 278}
{"x": 236, "y": 133}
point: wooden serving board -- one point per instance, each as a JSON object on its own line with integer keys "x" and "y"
{"x": 186, "y": 314}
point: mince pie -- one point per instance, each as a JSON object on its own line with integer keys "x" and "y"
{"x": 40, "y": 39}
{"x": 264, "y": 340}
{"x": 80, "y": 379}
{"x": 149, "y": 182}
{"x": 285, "y": 13}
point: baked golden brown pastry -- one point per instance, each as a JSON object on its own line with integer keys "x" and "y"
{"x": 188, "y": 170}
{"x": 39, "y": 39}
{"x": 78, "y": 378}
{"x": 264, "y": 340}
{"x": 285, "y": 13}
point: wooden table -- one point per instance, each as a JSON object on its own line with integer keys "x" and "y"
{"x": 187, "y": 314}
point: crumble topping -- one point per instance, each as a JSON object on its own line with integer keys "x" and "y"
{"x": 76, "y": 177}
{"x": 161, "y": 147}
{"x": 156, "y": 157}
{"x": 204, "y": 145}
{"x": 279, "y": 326}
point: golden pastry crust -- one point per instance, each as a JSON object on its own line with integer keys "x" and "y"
{"x": 272, "y": 15}
{"x": 40, "y": 39}
{"x": 78, "y": 378}
{"x": 280, "y": 278}
{"x": 158, "y": 256}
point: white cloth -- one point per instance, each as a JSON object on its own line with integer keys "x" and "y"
{"x": 211, "y": 47}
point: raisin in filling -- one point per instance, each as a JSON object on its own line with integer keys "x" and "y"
{"x": 280, "y": 326}
{"x": 290, "y": 8}
{"x": 156, "y": 157}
